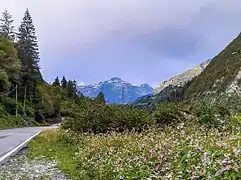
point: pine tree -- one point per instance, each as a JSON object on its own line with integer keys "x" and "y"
{"x": 28, "y": 53}
{"x": 6, "y": 26}
{"x": 100, "y": 98}
{"x": 64, "y": 82}
{"x": 75, "y": 90}
{"x": 28, "y": 46}
{"x": 56, "y": 82}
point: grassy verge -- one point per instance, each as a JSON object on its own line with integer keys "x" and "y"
{"x": 52, "y": 145}
{"x": 174, "y": 153}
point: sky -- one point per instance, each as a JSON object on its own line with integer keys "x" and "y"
{"x": 140, "y": 41}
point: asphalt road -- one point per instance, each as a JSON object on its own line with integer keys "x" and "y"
{"x": 12, "y": 138}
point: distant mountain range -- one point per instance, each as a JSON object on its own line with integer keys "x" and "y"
{"x": 116, "y": 90}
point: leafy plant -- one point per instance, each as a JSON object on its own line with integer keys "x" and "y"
{"x": 169, "y": 114}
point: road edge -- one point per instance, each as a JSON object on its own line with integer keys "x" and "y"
{"x": 15, "y": 150}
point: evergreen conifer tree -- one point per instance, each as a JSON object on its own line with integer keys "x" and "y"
{"x": 64, "y": 82}
{"x": 6, "y": 26}
{"x": 56, "y": 82}
{"x": 28, "y": 53}
{"x": 100, "y": 98}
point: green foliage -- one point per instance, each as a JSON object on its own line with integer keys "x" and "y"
{"x": 219, "y": 73}
{"x": 9, "y": 63}
{"x": 206, "y": 114}
{"x": 8, "y": 121}
{"x": 64, "y": 82}
{"x": 47, "y": 102}
{"x": 71, "y": 89}
{"x": 58, "y": 145}
{"x": 9, "y": 105}
{"x": 168, "y": 94}
{"x": 100, "y": 98}
{"x": 6, "y": 26}
{"x": 211, "y": 115}
{"x": 169, "y": 114}
{"x": 89, "y": 116}
{"x": 56, "y": 82}
{"x": 183, "y": 152}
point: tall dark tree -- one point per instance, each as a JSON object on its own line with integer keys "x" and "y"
{"x": 28, "y": 53}
{"x": 6, "y": 26}
{"x": 28, "y": 45}
{"x": 75, "y": 90}
{"x": 100, "y": 98}
{"x": 56, "y": 82}
{"x": 71, "y": 89}
{"x": 64, "y": 82}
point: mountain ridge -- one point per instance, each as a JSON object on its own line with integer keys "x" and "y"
{"x": 221, "y": 79}
{"x": 116, "y": 90}
{"x": 172, "y": 88}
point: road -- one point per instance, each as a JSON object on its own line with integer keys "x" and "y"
{"x": 12, "y": 140}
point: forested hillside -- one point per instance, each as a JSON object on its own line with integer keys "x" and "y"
{"x": 219, "y": 74}
{"x": 25, "y": 98}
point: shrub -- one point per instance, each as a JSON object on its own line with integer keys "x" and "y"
{"x": 100, "y": 118}
{"x": 169, "y": 114}
{"x": 208, "y": 114}
{"x": 11, "y": 122}
{"x": 173, "y": 153}
{"x": 2, "y": 110}
{"x": 10, "y": 107}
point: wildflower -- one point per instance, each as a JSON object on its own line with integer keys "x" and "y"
{"x": 193, "y": 175}
{"x": 228, "y": 167}
{"x": 206, "y": 159}
{"x": 161, "y": 155}
{"x": 151, "y": 152}
{"x": 157, "y": 168}
{"x": 183, "y": 132}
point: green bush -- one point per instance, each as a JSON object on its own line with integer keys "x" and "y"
{"x": 185, "y": 152}
{"x": 169, "y": 114}
{"x": 207, "y": 114}
{"x": 2, "y": 110}
{"x": 11, "y": 122}
{"x": 100, "y": 118}
{"x": 10, "y": 107}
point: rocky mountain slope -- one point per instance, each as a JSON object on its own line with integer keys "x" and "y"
{"x": 116, "y": 90}
{"x": 219, "y": 82}
{"x": 172, "y": 88}
{"x": 182, "y": 78}
{"x": 221, "y": 77}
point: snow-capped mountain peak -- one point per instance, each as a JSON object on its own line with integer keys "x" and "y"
{"x": 116, "y": 90}
{"x": 83, "y": 84}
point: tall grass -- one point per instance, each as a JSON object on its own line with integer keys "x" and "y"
{"x": 183, "y": 152}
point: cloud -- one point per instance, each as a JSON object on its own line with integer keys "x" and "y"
{"x": 138, "y": 40}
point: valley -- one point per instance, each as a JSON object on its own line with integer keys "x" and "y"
{"x": 189, "y": 127}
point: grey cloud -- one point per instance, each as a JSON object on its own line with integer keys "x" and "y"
{"x": 111, "y": 33}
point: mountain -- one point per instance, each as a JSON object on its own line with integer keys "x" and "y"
{"x": 173, "y": 88}
{"x": 182, "y": 78}
{"x": 115, "y": 90}
{"x": 221, "y": 79}
{"x": 219, "y": 82}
